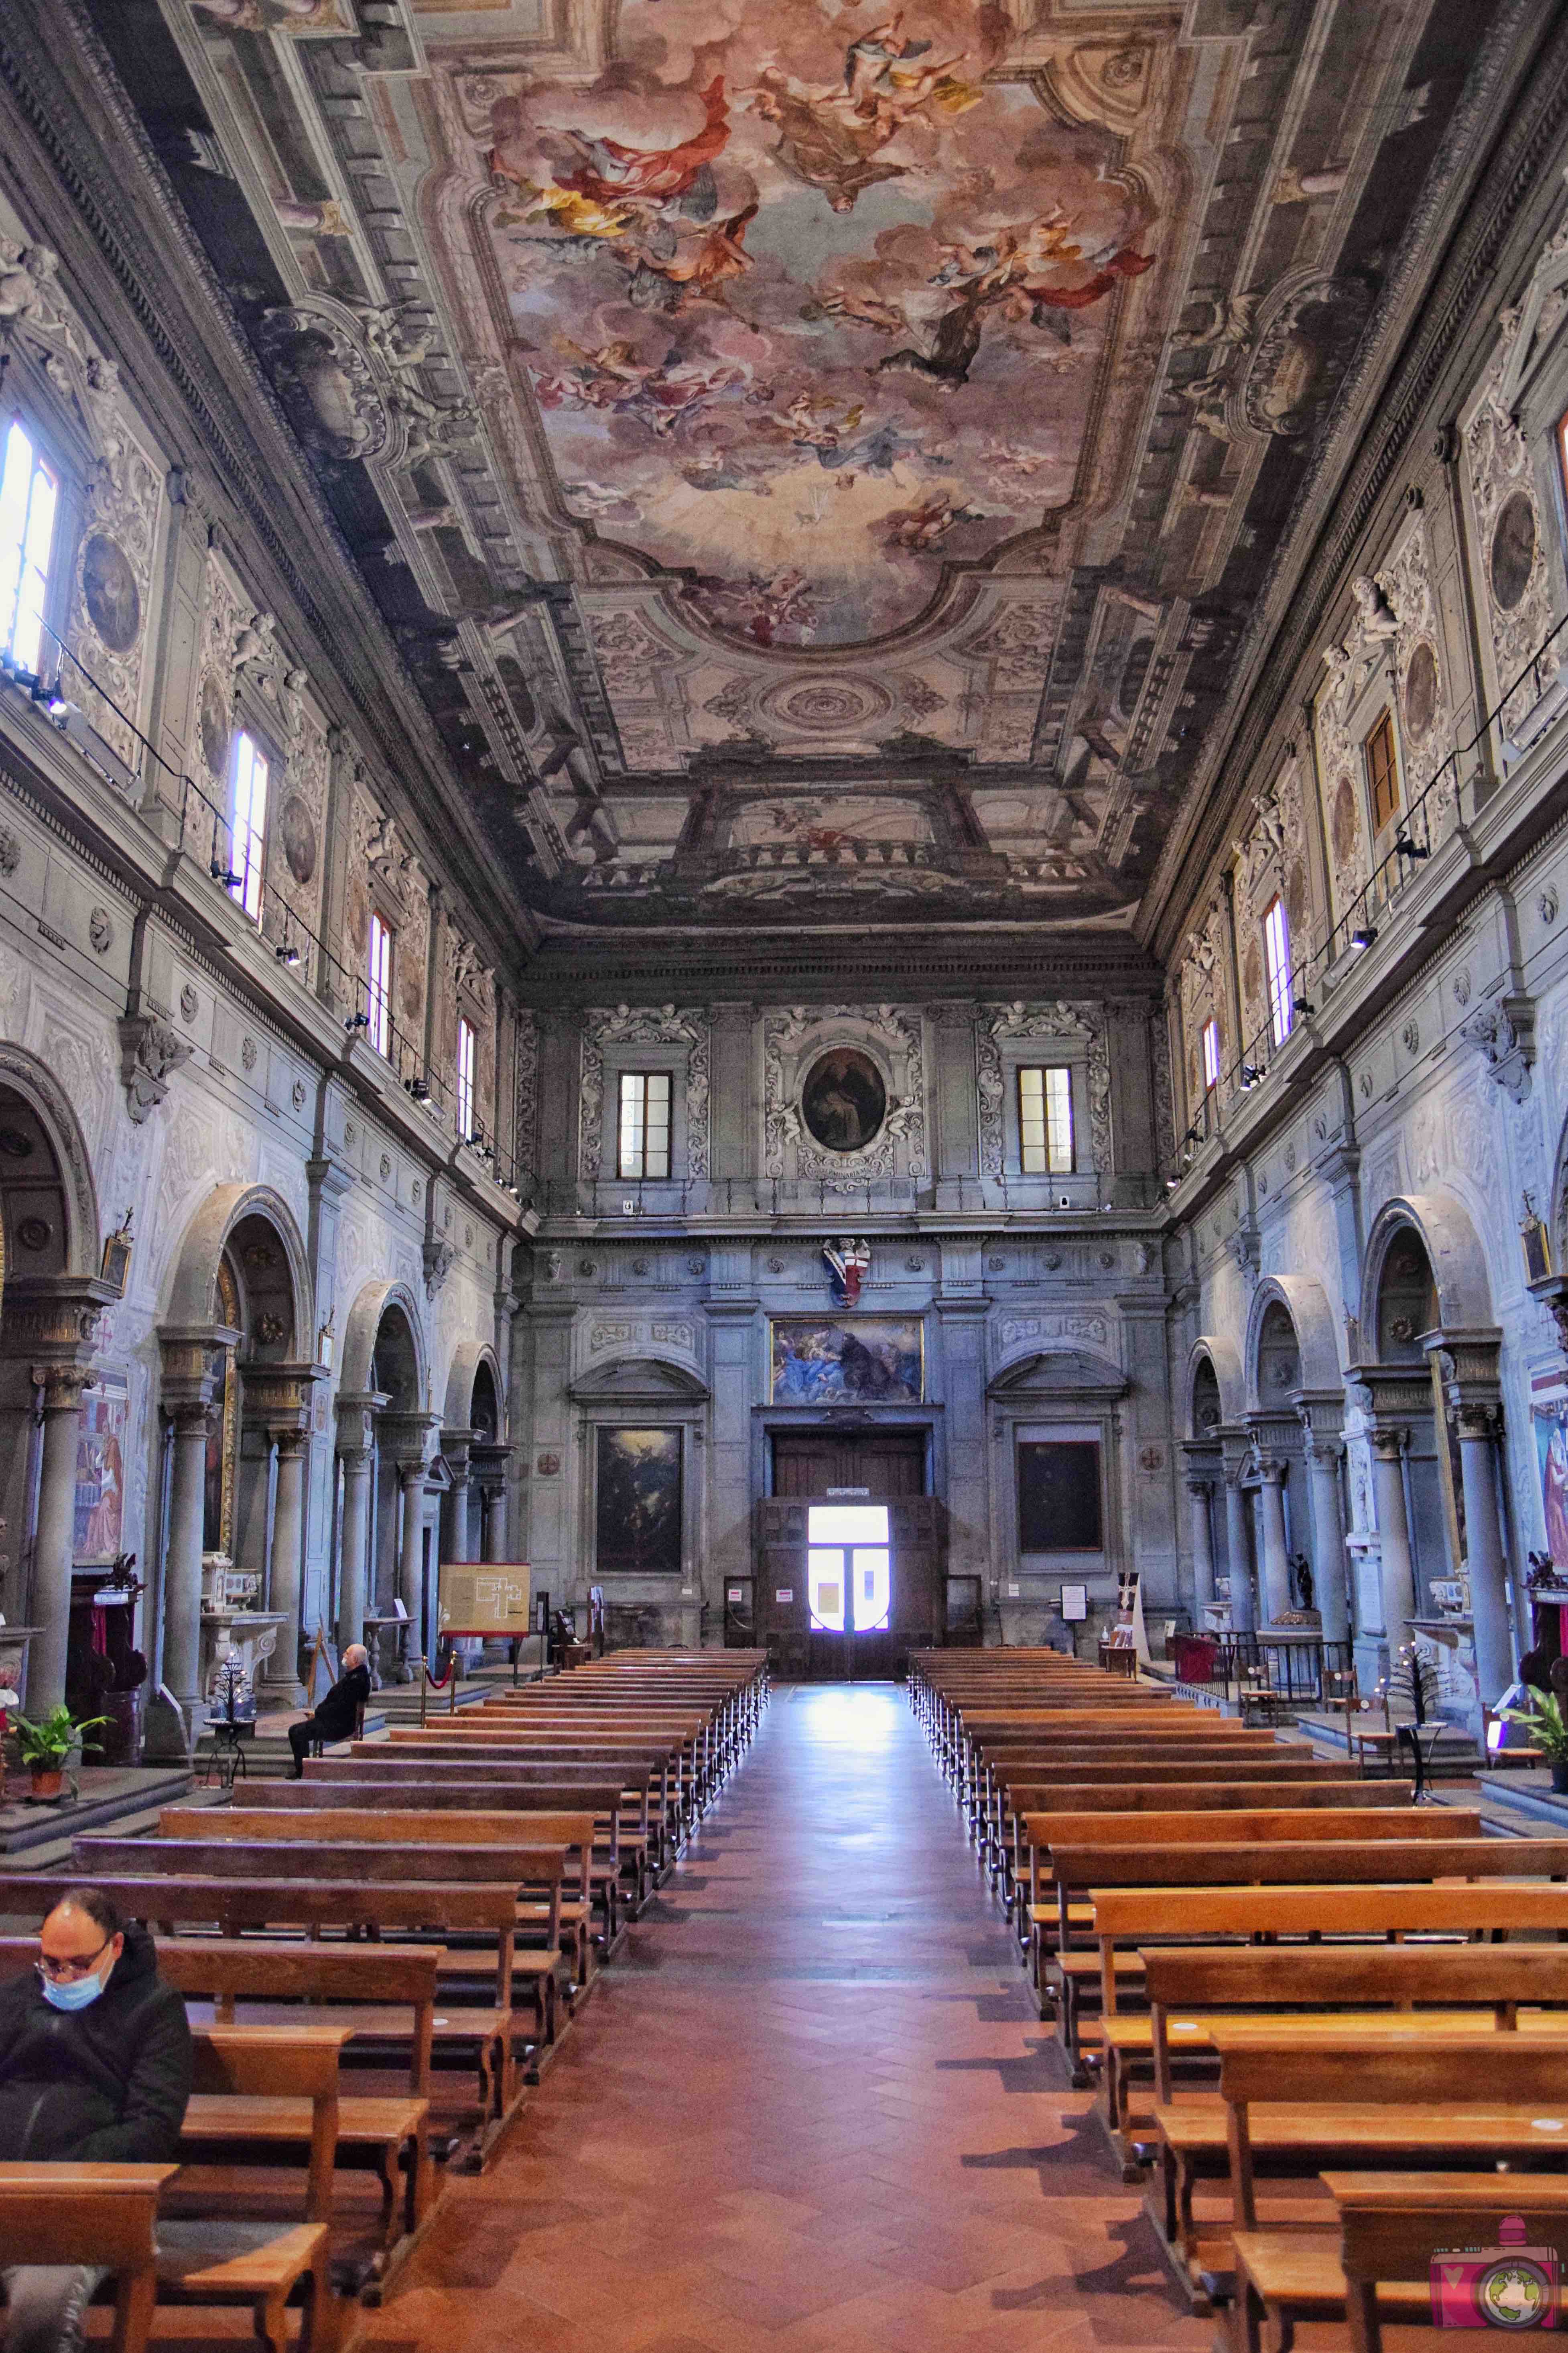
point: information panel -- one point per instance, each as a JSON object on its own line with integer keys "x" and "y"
{"x": 485, "y": 1596}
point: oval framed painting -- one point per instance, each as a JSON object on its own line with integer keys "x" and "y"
{"x": 843, "y": 1099}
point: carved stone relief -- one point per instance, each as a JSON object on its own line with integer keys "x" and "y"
{"x": 1424, "y": 713}
{"x": 1510, "y": 567}
{"x": 687, "y": 1026}
{"x": 527, "y": 1112}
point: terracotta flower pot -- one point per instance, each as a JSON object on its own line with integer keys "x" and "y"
{"x": 48, "y": 1781}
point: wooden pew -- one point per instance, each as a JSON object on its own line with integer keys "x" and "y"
{"x": 432, "y": 1834}
{"x": 472, "y": 1921}
{"x": 651, "y": 1773}
{"x": 1189, "y": 1985}
{"x": 664, "y": 1759}
{"x": 1086, "y": 1870}
{"x": 103, "y": 2214}
{"x": 1293, "y": 2106}
{"x": 619, "y": 1856}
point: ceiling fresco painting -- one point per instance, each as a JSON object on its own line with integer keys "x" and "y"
{"x": 817, "y": 462}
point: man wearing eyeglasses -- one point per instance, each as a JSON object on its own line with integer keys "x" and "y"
{"x": 95, "y": 2064}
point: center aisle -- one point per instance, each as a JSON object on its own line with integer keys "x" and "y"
{"x": 806, "y": 2108}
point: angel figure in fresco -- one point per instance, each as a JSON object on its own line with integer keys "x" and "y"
{"x": 819, "y": 145}
{"x": 685, "y": 261}
{"x": 917, "y": 530}
{"x": 1009, "y": 275}
{"x": 883, "y": 84}
{"x": 611, "y": 172}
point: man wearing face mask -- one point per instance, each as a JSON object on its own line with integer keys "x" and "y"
{"x": 95, "y": 2064}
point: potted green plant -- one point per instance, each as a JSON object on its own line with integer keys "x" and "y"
{"x": 46, "y": 1746}
{"x": 1547, "y": 1729}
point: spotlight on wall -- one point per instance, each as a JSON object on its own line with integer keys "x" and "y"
{"x": 1301, "y": 1006}
{"x": 288, "y": 953}
{"x": 1363, "y": 938}
{"x": 1171, "y": 1183}
{"x": 1250, "y": 1077}
{"x": 420, "y": 1090}
{"x": 356, "y": 1021}
{"x": 223, "y": 873}
{"x": 1405, "y": 848}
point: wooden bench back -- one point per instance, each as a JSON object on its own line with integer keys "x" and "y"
{"x": 100, "y": 2214}
{"x": 282, "y": 2062}
{"x": 225, "y": 1968}
{"x": 1266, "y": 1826}
{"x": 254, "y": 1858}
{"x": 1091, "y": 1771}
{"x": 1128, "y": 1914}
{"x": 547, "y": 1798}
{"x": 1351, "y": 1976}
{"x": 262, "y": 1902}
{"x": 1303, "y": 1862}
{"x": 352, "y": 1824}
{"x": 1394, "y": 2225}
{"x": 1031, "y": 1797}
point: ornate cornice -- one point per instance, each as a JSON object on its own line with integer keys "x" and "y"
{"x": 103, "y": 171}
{"x": 1469, "y": 214}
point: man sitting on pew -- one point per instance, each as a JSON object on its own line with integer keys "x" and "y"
{"x": 338, "y": 1717}
{"x": 95, "y": 2067}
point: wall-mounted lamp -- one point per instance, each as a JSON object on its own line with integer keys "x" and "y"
{"x": 1249, "y": 1077}
{"x": 1405, "y": 848}
{"x": 222, "y": 872}
{"x": 289, "y": 953}
{"x": 1363, "y": 938}
{"x": 356, "y": 1021}
{"x": 420, "y": 1090}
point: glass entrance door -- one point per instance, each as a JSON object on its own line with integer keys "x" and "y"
{"x": 849, "y": 1586}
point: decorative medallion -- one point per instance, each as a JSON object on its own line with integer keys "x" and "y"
{"x": 110, "y": 593}
{"x": 297, "y": 1094}
{"x": 385, "y": 1167}
{"x": 15, "y": 1144}
{"x": 100, "y": 931}
{"x": 1513, "y": 551}
{"x": 189, "y": 1002}
{"x": 298, "y": 834}
{"x": 843, "y": 1101}
{"x": 34, "y": 1233}
{"x": 247, "y": 1054}
{"x": 1546, "y": 906}
{"x": 1421, "y": 691}
{"x": 548, "y": 1465}
{"x": 213, "y": 726}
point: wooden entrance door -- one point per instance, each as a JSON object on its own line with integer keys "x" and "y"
{"x": 888, "y": 1463}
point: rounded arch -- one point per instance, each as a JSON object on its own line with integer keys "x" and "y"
{"x": 1224, "y": 1362}
{"x": 1453, "y": 1246}
{"x": 359, "y": 1337}
{"x": 470, "y": 1361}
{"x": 1305, "y": 1302}
{"x": 24, "y": 1075}
{"x": 192, "y": 1299}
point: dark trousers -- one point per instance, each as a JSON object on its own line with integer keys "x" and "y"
{"x": 300, "y": 1739}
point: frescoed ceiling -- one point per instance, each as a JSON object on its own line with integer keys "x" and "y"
{"x": 816, "y": 460}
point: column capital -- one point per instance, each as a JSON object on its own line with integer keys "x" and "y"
{"x": 355, "y": 1458}
{"x": 1389, "y": 1439}
{"x": 1479, "y": 1419}
{"x": 193, "y": 1359}
{"x": 191, "y": 1416}
{"x": 1322, "y": 1448}
{"x": 413, "y": 1475}
{"x": 293, "y": 1440}
{"x": 1272, "y": 1470}
{"x": 53, "y": 1318}
{"x": 62, "y": 1386}
{"x": 1200, "y": 1486}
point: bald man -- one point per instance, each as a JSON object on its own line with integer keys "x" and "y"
{"x": 95, "y": 2065}
{"x": 338, "y": 1717}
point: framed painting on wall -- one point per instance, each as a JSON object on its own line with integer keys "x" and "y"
{"x": 853, "y": 1359}
{"x": 1551, "y": 1452}
{"x": 1059, "y": 1505}
{"x": 101, "y": 1478}
{"x": 637, "y": 1514}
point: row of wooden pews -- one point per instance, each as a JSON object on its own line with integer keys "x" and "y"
{"x": 1328, "y": 2027}
{"x": 377, "y": 1960}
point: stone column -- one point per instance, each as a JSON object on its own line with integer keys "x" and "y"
{"x": 54, "y": 1540}
{"x": 1389, "y": 1440}
{"x": 456, "y": 1538}
{"x": 1240, "y": 1543}
{"x": 1484, "y": 1553}
{"x": 288, "y": 1553}
{"x": 192, "y": 1421}
{"x": 1202, "y": 1493}
{"x": 1277, "y": 1598}
{"x": 356, "y": 1461}
{"x": 494, "y": 1545}
{"x": 411, "y": 1477}
{"x": 1328, "y": 1538}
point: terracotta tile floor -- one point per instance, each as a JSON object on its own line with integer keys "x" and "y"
{"x": 808, "y": 2109}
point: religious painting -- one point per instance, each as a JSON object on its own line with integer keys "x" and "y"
{"x": 100, "y": 1477}
{"x": 298, "y": 835}
{"x": 223, "y": 1429}
{"x": 1060, "y": 1505}
{"x": 638, "y": 1520}
{"x": 843, "y": 1101}
{"x": 1551, "y": 1452}
{"x": 813, "y": 311}
{"x": 854, "y": 1360}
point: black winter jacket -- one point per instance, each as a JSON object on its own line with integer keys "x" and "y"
{"x": 339, "y": 1713}
{"x": 108, "y": 2083}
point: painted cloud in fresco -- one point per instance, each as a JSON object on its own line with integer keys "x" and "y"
{"x": 810, "y": 305}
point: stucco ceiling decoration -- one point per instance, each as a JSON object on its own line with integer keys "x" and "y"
{"x": 832, "y": 404}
